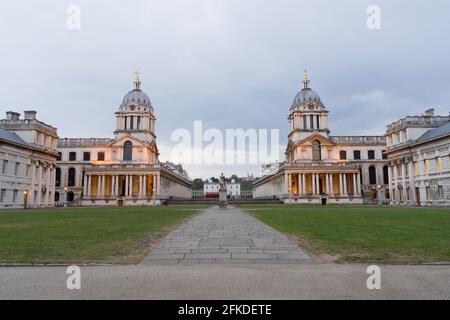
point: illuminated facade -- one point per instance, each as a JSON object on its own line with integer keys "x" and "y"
{"x": 341, "y": 169}
{"x": 120, "y": 171}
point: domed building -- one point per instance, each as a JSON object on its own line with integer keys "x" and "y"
{"x": 320, "y": 167}
{"x": 122, "y": 171}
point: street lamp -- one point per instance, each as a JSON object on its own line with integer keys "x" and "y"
{"x": 153, "y": 197}
{"x": 25, "y": 198}
{"x": 65, "y": 197}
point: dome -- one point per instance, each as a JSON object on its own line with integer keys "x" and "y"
{"x": 306, "y": 96}
{"x": 136, "y": 99}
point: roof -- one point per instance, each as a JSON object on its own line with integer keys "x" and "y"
{"x": 12, "y": 137}
{"x": 435, "y": 133}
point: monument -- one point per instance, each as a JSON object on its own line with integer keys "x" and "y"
{"x": 223, "y": 192}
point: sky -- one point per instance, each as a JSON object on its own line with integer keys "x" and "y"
{"x": 228, "y": 63}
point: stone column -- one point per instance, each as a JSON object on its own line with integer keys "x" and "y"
{"x": 299, "y": 184}
{"x": 396, "y": 191}
{"x": 303, "y": 184}
{"x": 116, "y": 186}
{"x": 154, "y": 185}
{"x": 126, "y": 185}
{"x": 317, "y": 184}
{"x": 89, "y": 194}
{"x": 313, "y": 178}
{"x": 404, "y": 189}
{"x": 358, "y": 184}
{"x": 331, "y": 184}
{"x": 140, "y": 185}
{"x": 131, "y": 186}
{"x": 99, "y": 186}
{"x": 327, "y": 183}
{"x": 145, "y": 186}
{"x": 341, "y": 189}
{"x": 289, "y": 183}
{"x": 355, "y": 185}
{"x": 345, "y": 183}
{"x": 39, "y": 190}
{"x": 113, "y": 185}
{"x": 85, "y": 189}
{"x": 158, "y": 184}
{"x": 412, "y": 184}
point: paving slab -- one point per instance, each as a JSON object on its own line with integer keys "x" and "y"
{"x": 224, "y": 236}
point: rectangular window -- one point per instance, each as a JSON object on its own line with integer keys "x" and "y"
{"x": 126, "y": 122}
{"x": 4, "y": 166}
{"x": 311, "y": 121}
{"x": 318, "y": 122}
{"x": 131, "y": 122}
{"x": 371, "y": 154}
{"x": 72, "y": 156}
{"x": 357, "y": 155}
{"x": 86, "y": 156}
{"x": 305, "y": 124}
{"x": 15, "y": 192}
{"x": 138, "y": 126}
{"x": 16, "y": 168}
{"x": 342, "y": 155}
{"x": 59, "y": 157}
{"x": 2, "y": 195}
{"x": 101, "y": 156}
{"x": 416, "y": 168}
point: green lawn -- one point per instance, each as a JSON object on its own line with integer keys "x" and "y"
{"x": 363, "y": 233}
{"x": 86, "y": 235}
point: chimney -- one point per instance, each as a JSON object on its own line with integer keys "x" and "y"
{"x": 429, "y": 112}
{"x": 11, "y": 115}
{"x": 30, "y": 115}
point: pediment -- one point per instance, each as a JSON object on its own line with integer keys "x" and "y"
{"x": 136, "y": 142}
{"x": 324, "y": 141}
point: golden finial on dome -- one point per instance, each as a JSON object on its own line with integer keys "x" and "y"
{"x": 306, "y": 80}
{"x": 137, "y": 80}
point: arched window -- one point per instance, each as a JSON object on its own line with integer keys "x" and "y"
{"x": 372, "y": 175}
{"x": 58, "y": 177}
{"x": 71, "y": 178}
{"x": 343, "y": 155}
{"x": 385, "y": 175}
{"x": 316, "y": 152}
{"x": 127, "y": 151}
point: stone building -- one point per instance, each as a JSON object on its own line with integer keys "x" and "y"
{"x": 28, "y": 161}
{"x": 124, "y": 170}
{"x": 342, "y": 169}
{"x": 418, "y": 149}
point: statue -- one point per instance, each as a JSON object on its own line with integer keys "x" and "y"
{"x": 223, "y": 192}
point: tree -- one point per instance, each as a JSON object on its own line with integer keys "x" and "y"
{"x": 197, "y": 184}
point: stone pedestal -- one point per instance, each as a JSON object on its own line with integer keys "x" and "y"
{"x": 223, "y": 199}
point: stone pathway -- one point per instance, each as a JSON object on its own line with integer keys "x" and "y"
{"x": 226, "y": 236}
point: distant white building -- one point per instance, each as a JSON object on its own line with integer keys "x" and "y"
{"x": 27, "y": 161}
{"x": 418, "y": 158}
{"x": 211, "y": 189}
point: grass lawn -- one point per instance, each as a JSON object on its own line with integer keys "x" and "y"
{"x": 363, "y": 233}
{"x": 86, "y": 235}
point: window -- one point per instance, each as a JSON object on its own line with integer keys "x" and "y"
{"x": 305, "y": 124}
{"x": 439, "y": 164}
{"x": 385, "y": 175}
{"x": 343, "y": 155}
{"x": 16, "y": 168}
{"x": 70, "y": 196}
{"x": 15, "y": 192}
{"x": 58, "y": 177}
{"x": 2, "y": 195}
{"x": 126, "y": 122}
{"x": 357, "y": 155}
{"x": 131, "y": 122}
{"x": 101, "y": 156}
{"x": 72, "y": 156}
{"x": 316, "y": 154}
{"x": 318, "y": 122}
{"x": 138, "y": 125}
{"x": 416, "y": 168}
{"x": 71, "y": 177}
{"x": 59, "y": 157}
{"x": 128, "y": 151}
{"x": 384, "y": 155}
{"x": 56, "y": 196}
{"x": 311, "y": 121}
{"x": 372, "y": 175}
{"x": 371, "y": 154}
{"x": 86, "y": 156}
{"x": 427, "y": 166}
{"x": 4, "y": 166}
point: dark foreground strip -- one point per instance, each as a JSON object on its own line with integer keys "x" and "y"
{"x": 218, "y": 309}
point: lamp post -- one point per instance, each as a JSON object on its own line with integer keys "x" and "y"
{"x": 25, "y": 198}
{"x": 153, "y": 197}
{"x": 65, "y": 197}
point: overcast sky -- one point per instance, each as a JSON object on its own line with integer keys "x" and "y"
{"x": 229, "y": 63}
